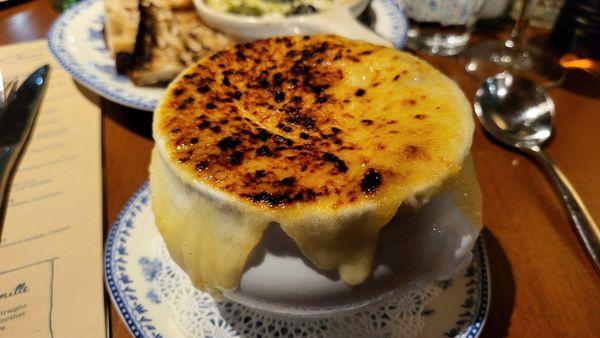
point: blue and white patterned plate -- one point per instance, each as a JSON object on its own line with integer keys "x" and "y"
{"x": 76, "y": 41}
{"x": 154, "y": 300}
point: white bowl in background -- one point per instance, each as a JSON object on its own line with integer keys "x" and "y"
{"x": 340, "y": 20}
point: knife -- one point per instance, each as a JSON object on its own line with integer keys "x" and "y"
{"x": 16, "y": 123}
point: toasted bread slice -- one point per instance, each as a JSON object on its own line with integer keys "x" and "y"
{"x": 121, "y": 30}
{"x": 171, "y": 37}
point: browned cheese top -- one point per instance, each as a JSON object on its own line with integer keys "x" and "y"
{"x": 322, "y": 119}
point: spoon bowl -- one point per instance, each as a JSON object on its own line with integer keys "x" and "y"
{"x": 514, "y": 110}
{"x": 518, "y": 113}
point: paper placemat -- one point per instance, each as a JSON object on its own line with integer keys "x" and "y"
{"x": 51, "y": 247}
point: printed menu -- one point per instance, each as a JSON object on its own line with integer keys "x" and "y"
{"x": 51, "y": 246}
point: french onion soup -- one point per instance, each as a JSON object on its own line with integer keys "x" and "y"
{"x": 323, "y": 136}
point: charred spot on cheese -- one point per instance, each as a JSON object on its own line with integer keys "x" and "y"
{"x": 236, "y": 158}
{"x": 288, "y": 181}
{"x": 282, "y": 199}
{"x": 201, "y": 165}
{"x": 268, "y": 198}
{"x": 339, "y": 164}
{"x": 370, "y": 182}
{"x": 367, "y": 122}
{"x": 299, "y": 119}
{"x": 264, "y": 151}
{"x": 228, "y": 143}
{"x": 284, "y": 127}
{"x": 225, "y": 81}
{"x": 263, "y": 134}
{"x": 203, "y": 89}
{"x": 203, "y": 125}
{"x": 286, "y": 120}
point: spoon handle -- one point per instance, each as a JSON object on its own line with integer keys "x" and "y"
{"x": 585, "y": 227}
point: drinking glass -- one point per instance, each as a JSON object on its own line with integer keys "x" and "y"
{"x": 492, "y": 57}
{"x": 440, "y": 27}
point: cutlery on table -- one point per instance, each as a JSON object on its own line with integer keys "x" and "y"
{"x": 17, "y": 117}
{"x": 518, "y": 113}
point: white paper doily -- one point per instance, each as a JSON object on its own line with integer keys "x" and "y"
{"x": 199, "y": 315}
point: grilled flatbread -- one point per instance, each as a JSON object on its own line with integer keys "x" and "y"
{"x": 121, "y": 29}
{"x": 171, "y": 37}
{"x": 322, "y": 135}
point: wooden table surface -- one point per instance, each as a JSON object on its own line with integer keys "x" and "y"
{"x": 543, "y": 285}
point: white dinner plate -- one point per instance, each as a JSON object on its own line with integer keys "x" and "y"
{"x": 76, "y": 41}
{"x": 155, "y": 298}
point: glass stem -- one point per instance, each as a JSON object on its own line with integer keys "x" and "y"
{"x": 517, "y": 35}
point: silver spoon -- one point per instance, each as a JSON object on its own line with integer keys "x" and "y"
{"x": 518, "y": 113}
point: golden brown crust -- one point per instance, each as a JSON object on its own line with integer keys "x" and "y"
{"x": 273, "y": 122}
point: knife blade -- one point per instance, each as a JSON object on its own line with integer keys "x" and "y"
{"x": 16, "y": 123}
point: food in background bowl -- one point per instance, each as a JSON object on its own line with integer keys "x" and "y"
{"x": 322, "y": 136}
{"x": 339, "y": 19}
{"x": 274, "y": 7}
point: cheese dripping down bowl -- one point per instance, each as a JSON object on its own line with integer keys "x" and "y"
{"x": 306, "y": 175}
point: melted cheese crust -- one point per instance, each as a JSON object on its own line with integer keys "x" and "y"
{"x": 324, "y": 135}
